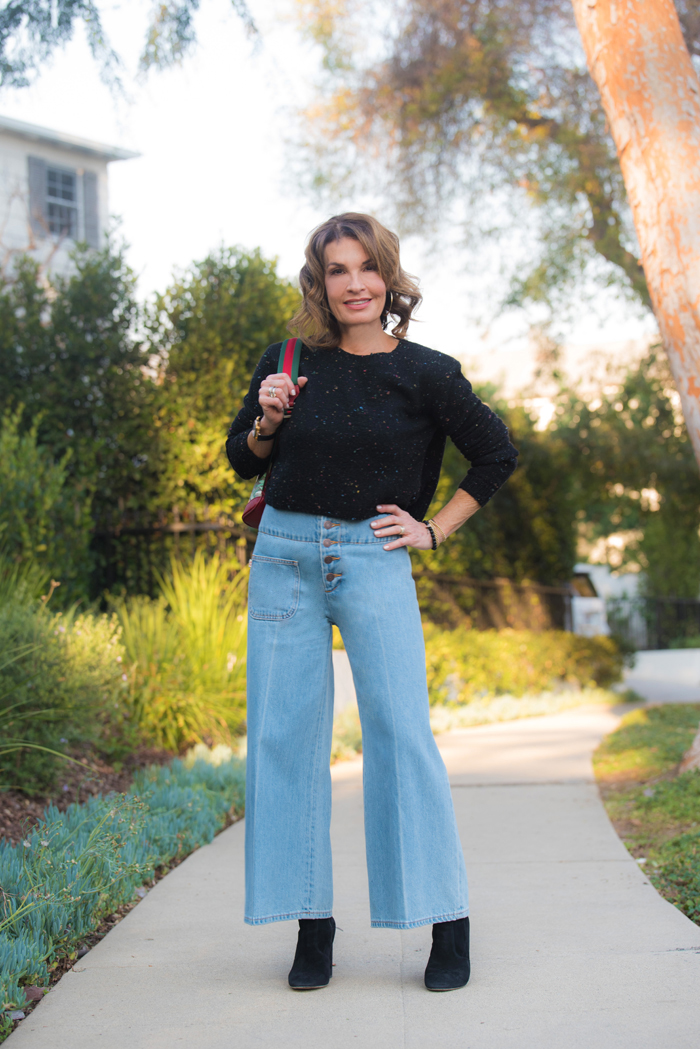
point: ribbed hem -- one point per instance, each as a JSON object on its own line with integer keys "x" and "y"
{"x": 421, "y": 921}
{"x": 287, "y": 917}
{"x": 246, "y": 463}
{"x": 480, "y": 482}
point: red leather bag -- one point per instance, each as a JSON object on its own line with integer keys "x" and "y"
{"x": 290, "y": 352}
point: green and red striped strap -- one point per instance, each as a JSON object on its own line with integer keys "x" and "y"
{"x": 290, "y": 352}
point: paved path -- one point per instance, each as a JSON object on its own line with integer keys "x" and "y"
{"x": 572, "y": 948}
{"x": 666, "y": 676}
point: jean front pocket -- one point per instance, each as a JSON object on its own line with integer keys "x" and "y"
{"x": 273, "y": 589}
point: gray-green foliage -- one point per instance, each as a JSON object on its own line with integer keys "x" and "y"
{"x": 77, "y": 866}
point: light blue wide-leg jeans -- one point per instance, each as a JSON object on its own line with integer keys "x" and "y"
{"x": 308, "y": 573}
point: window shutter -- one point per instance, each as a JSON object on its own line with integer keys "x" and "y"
{"x": 90, "y": 209}
{"x": 37, "y": 196}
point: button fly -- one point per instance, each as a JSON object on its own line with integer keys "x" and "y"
{"x": 331, "y": 524}
{"x": 333, "y": 575}
{"x": 328, "y": 560}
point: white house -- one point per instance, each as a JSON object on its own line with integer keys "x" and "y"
{"x": 594, "y": 586}
{"x": 53, "y": 192}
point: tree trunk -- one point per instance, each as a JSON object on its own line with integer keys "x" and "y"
{"x": 651, "y": 95}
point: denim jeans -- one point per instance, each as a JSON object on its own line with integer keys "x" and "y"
{"x": 308, "y": 573}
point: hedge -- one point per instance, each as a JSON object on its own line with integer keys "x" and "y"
{"x": 471, "y": 664}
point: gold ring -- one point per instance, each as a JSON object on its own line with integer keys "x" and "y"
{"x": 272, "y": 392}
{"x": 402, "y": 530}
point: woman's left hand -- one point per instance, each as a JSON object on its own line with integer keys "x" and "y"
{"x": 406, "y": 529}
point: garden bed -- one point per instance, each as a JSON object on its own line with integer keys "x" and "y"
{"x": 19, "y": 813}
{"x": 656, "y": 810}
{"x": 76, "y": 873}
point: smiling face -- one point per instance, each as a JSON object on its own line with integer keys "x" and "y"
{"x": 356, "y": 293}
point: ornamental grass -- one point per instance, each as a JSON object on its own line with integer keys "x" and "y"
{"x": 185, "y": 653}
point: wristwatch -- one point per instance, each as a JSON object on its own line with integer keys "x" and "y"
{"x": 259, "y": 436}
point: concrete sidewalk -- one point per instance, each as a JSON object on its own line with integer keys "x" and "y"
{"x": 572, "y": 948}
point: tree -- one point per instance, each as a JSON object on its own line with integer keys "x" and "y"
{"x": 31, "y": 30}
{"x": 209, "y": 330}
{"x": 614, "y": 461}
{"x": 528, "y": 530}
{"x": 630, "y": 470}
{"x": 651, "y": 97}
{"x": 461, "y": 101}
{"x": 68, "y": 353}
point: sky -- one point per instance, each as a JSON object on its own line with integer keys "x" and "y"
{"x": 215, "y": 168}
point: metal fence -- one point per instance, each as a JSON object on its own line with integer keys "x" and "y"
{"x": 130, "y": 552}
{"x": 646, "y": 623}
{"x": 493, "y": 603}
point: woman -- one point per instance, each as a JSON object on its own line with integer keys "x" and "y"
{"x": 366, "y": 437}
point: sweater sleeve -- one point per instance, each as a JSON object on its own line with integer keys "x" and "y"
{"x": 477, "y": 432}
{"x": 246, "y": 463}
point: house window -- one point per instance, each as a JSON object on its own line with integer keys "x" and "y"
{"x": 62, "y": 202}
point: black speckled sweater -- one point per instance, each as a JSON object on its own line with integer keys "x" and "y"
{"x": 372, "y": 429}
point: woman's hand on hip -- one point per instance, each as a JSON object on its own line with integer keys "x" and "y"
{"x": 403, "y": 529}
{"x": 275, "y": 392}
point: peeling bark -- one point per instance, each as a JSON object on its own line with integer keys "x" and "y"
{"x": 651, "y": 95}
{"x": 691, "y": 758}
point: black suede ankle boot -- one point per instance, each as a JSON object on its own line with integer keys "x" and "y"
{"x": 448, "y": 966}
{"x": 313, "y": 961}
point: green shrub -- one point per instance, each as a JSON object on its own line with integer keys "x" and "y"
{"x": 470, "y": 664}
{"x": 347, "y": 735}
{"x": 43, "y": 518}
{"x": 61, "y": 686}
{"x": 75, "y": 867}
{"x": 21, "y": 581}
{"x": 186, "y": 654}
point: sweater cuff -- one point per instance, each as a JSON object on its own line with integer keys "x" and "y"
{"x": 482, "y": 482}
{"x": 246, "y": 463}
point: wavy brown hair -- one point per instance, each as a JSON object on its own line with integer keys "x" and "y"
{"x": 314, "y": 321}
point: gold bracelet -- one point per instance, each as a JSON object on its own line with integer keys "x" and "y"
{"x": 434, "y": 523}
{"x": 257, "y": 435}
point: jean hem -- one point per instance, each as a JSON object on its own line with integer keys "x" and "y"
{"x": 455, "y": 916}
{"x": 296, "y": 915}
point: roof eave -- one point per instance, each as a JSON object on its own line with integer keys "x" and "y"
{"x": 57, "y": 139}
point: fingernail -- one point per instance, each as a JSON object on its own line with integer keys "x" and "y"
{"x": 386, "y": 547}
{"x": 379, "y": 508}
